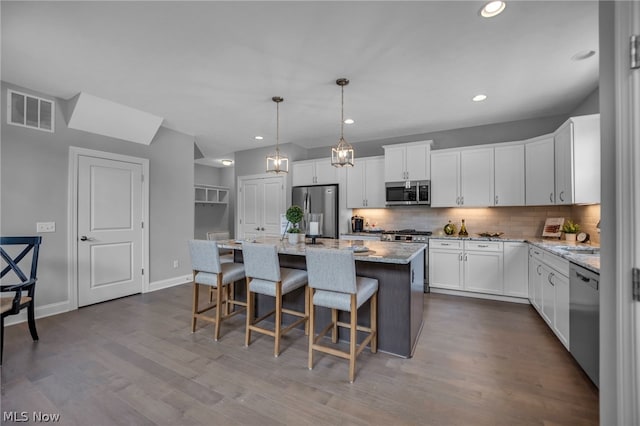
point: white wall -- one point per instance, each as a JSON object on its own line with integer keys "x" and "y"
{"x": 34, "y": 186}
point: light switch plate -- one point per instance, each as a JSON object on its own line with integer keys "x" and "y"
{"x": 45, "y": 227}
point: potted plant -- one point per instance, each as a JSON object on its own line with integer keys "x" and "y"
{"x": 294, "y": 216}
{"x": 570, "y": 230}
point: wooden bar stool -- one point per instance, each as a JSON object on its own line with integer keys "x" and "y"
{"x": 334, "y": 285}
{"x": 210, "y": 271}
{"x": 265, "y": 276}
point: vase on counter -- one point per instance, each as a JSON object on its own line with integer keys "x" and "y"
{"x": 463, "y": 230}
{"x": 570, "y": 237}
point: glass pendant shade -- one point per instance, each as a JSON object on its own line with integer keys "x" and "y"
{"x": 277, "y": 162}
{"x": 342, "y": 155}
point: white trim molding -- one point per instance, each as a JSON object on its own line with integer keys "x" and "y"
{"x": 41, "y": 312}
{"x": 170, "y": 282}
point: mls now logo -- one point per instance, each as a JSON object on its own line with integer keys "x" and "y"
{"x": 36, "y": 416}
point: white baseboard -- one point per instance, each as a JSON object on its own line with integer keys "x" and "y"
{"x": 41, "y": 312}
{"x": 480, "y": 295}
{"x": 170, "y": 282}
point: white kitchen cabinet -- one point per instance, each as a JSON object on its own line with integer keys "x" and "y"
{"x": 408, "y": 161}
{"x": 535, "y": 277}
{"x": 509, "y": 175}
{"x": 445, "y": 178}
{"x": 314, "y": 172}
{"x": 475, "y": 266}
{"x": 561, "y": 324}
{"x": 462, "y": 178}
{"x": 365, "y": 183}
{"x": 577, "y": 161}
{"x": 549, "y": 290}
{"x": 539, "y": 171}
{"x": 483, "y": 267}
{"x": 445, "y": 260}
{"x": 548, "y": 307}
{"x": 516, "y": 269}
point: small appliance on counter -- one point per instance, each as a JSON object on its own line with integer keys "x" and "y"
{"x": 357, "y": 223}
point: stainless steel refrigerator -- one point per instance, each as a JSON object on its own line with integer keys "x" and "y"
{"x": 319, "y": 199}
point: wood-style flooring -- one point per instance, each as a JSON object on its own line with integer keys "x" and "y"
{"x": 134, "y": 361}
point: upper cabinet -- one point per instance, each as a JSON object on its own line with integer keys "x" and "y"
{"x": 509, "y": 175}
{"x": 462, "y": 178}
{"x": 407, "y": 161}
{"x": 314, "y": 172}
{"x": 365, "y": 183}
{"x": 577, "y": 161}
{"x": 539, "y": 171}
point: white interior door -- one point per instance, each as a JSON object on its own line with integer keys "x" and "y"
{"x": 262, "y": 200}
{"x": 110, "y": 237}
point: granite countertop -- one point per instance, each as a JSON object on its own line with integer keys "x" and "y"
{"x": 591, "y": 261}
{"x": 378, "y": 251}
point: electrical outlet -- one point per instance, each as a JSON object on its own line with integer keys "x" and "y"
{"x": 176, "y": 264}
{"x": 45, "y": 227}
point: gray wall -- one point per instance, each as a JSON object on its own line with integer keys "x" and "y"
{"x": 590, "y": 104}
{"x": 34, "y": 187}
{"x": 454, "y": 138}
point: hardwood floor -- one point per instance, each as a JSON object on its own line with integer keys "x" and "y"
{"x": 134, "y": 361}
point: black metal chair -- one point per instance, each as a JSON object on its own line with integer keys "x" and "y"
{"x": 12, "y": 305}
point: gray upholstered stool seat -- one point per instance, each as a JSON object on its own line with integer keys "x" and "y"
{"x": 266, "y": 277}
{"x": 334, "y": 285}
{"x": 209, "y": 270}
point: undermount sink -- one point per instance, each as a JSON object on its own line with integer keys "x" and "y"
{"x": 580, "y": 250}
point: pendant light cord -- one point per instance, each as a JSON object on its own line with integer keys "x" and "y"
{"x": 342, "y": 113}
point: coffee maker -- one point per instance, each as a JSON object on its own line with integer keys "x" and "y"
{"x": 357, "y": 223}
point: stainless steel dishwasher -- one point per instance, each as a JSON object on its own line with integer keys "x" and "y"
{"x": 584, "y": 320}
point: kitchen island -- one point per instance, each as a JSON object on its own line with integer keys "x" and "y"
{"x": 399, "y": 269}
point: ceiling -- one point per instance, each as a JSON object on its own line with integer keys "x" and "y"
{"x": 211, "y": 68}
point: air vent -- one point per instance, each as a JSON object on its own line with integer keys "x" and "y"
{"x": 30, "y": 111}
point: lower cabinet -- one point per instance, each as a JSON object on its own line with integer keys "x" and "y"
{"x": 549, "y": 290}
{"x": 479, "y": 266}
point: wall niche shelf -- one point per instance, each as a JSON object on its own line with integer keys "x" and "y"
{"x": 207, "y": 194}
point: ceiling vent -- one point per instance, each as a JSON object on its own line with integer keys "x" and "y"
{"x": 30, "y": 111}
{"x": 107, "y": 118}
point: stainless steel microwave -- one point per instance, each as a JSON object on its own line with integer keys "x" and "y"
{"x": 408, "y": 193}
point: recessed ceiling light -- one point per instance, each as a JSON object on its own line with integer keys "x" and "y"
{"x": 226, "y": 162}
{"x": 258, "y": 138}
{"x": 493, "y": 8}
{"x": 479, "y": 98}
{"x": 349, "y": 121}
{"x": 583, "y": 54}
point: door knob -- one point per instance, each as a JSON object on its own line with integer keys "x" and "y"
{"x": 85, "y": 238}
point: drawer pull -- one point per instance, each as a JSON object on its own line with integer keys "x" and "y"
{"x": 483, "y": 245}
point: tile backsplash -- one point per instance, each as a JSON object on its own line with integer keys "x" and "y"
{"x": 513, "y": 221}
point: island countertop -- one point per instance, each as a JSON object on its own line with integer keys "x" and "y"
{"x": 378, "y": 251}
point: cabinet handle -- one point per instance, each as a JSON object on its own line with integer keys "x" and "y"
{"x": 258, "y": 228}
{"x": 445, "y": 244}
{"x": 262, "y": 229}
{"x": 561, "y": 197}
{"x": 551, "y": 197}
{"x": 461, "y": 200}
{"x": 496, "y": 200}
{"x": 549, "y": 278}
{"x": 465, "y": 257}
{"x": 483, "y": 245}
{"x": 538, "y": 270}
{"x": 458, "y": 200}
{"x": 460, "y": 257}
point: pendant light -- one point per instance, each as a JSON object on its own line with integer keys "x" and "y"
{"x": 342, "y": 154}
{"x": 277, "y": 163}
